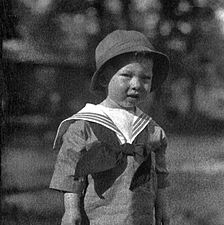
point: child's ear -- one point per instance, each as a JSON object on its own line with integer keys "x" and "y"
{"x": 106, "y": 76}
{"x": 103, "y": 81}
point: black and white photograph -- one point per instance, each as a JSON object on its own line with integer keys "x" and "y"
{"x": 112, "y": 112}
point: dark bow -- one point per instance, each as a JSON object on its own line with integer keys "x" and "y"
{"x": 102, "y": 157}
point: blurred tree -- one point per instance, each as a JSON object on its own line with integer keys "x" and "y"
{"x": 186, "y": 32}
{"x": 9, "y": 20}
{"x": 66, "y": 32}
{"x": 49, "y": 25}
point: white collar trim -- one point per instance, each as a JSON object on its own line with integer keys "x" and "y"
{"x": 93, "y": 113}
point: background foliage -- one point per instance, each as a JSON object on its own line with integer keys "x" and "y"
{"x": 49, "y": 49}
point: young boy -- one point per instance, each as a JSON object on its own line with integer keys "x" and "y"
{"x": 111, "y": 164}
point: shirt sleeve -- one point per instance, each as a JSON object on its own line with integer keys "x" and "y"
{"x": 160, "y": 161}
{"x": 73, "y": 146}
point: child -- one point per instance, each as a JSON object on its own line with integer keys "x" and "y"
{"x": 111, "y": 164}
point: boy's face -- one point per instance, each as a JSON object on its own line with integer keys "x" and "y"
{"x": 132, "y": 82}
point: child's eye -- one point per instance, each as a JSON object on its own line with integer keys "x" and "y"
{"x": 126, "y": 75}
{"x": 146, "y": 78}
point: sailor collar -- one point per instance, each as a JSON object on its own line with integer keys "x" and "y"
{"x": 94, "y": 113}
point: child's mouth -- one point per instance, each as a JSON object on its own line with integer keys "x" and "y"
{"x": 134, "y": 96}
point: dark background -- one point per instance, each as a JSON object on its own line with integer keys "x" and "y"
{"x": 47, "y": 63}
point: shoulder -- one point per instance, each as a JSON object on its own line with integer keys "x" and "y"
{"x": 78, "y": 125}
{"x": 156, "y": 132}
{"x": 155, "y": 128}
{"x": 79, "y": 128}
{"x": 72, "y": 129}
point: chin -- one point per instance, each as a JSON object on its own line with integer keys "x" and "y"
{"x": 130, "y": 105}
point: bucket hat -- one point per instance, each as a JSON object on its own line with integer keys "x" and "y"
{"x": 121, "y": 42}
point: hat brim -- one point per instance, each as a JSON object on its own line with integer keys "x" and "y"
{"x": 160, "y": 68}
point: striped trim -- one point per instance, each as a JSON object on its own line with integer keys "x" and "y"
{"x": 139, "y": 120}
{"x": 140, "y": 124}
{"x": 98, "y": 118}
{"x": 87, "y": 116}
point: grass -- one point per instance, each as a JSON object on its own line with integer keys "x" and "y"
{"x": 196, "y": 195}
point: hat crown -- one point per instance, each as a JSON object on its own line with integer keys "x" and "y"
{"x": 119, "y": 38}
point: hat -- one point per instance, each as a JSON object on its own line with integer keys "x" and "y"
{"x": 120, "y": 42}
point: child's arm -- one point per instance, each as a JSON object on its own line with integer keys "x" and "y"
{"x": 63, "y": 176}
{"x": 72, "y": 204}
{"x": 161, "y": 204}
{"x": 161, "y": 207}
{"x": 74, "y": 207}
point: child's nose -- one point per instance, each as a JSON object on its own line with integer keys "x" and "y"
{"x": 135, "y": 83}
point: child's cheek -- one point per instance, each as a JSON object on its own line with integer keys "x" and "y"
{"x": 147, "y": 87}
{"x": 123, "y": 85}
